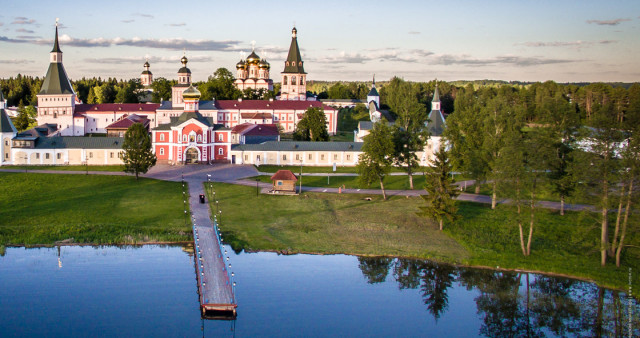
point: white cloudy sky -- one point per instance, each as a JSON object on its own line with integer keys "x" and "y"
{"x": 522, "y": 40}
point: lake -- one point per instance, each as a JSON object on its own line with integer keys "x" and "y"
{"x": 151, "y": 291}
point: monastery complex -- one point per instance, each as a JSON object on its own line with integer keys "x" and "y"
{"x": 184, "y": 129}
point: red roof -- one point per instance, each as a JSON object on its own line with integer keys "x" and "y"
{"x": 126, "y": 121}
{"x": 259, "y": 116}
{"x": 116, "y": 107}
{"x": 241, "y": 127}
{"x": 269, "y": 105}
{"x": 284, "y": 175}
{"x": 263, "y": 130}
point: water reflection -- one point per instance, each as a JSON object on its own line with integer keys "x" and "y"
{"x": 511, "y": 304}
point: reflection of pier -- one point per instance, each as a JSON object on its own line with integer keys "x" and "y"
{"x": 215, "y": 284}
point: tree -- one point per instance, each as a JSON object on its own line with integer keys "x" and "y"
{"x": 377, "y": 156}
{"x": 161, "y": 89}
{"x": 441, "y": 193}
{"x": 26, "y": 118}
{"x": 128, "y": 92}
{"x": 137, "y": 157}
{"x": 221, "y": 86}
{"x": 312, "y": 126}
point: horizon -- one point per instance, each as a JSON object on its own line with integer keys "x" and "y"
{"x": 502, "y": 41}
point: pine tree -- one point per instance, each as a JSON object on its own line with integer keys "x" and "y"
{"x": 138, "y": 157}
{"x": 312, "y": 126}
{"x": 440, "y": 201}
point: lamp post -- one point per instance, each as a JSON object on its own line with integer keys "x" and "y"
{"x": 257, "y": 190}
{"x": 300, "y": 179}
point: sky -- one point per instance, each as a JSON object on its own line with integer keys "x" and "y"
{"x": 517, "y": 40}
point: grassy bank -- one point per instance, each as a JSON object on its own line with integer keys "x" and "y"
{"x": 331, "y": 223}
{"x": 45, "y": 208}
{"x": 112, "y": 168}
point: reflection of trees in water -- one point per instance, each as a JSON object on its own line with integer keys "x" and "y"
{"x": 513, "y": 304}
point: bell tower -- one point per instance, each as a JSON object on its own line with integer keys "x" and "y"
{"x": 294, "y": 79}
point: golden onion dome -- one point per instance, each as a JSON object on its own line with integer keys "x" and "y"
{"x": 191, "y": 93}
{"x": 146, "y": 64}
{"x": 253, "y": 58}
{"x": 240, "y": 65}
{"x": 184, "y": 60}
{"x": 263, "y": 64}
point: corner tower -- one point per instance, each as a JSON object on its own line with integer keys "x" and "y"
{"x": 294, "y": 79}
{"x": 56, "y": 99}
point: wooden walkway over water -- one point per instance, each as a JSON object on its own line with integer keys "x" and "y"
{"x": 215, "y": 281}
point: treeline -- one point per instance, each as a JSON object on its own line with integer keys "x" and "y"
{"x": 580, "y": 142}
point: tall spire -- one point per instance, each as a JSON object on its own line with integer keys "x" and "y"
{"x": 436, "y": 94}
{"x": 56, "y": 46}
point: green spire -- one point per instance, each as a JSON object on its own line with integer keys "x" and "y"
{"x": 294, "y": 63}
{"x": 56, "y": 46}
{"x": 436, "y": 94}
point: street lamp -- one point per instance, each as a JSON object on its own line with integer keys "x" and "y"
{"x": 300, "y": 179}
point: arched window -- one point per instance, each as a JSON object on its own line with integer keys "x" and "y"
{"x": 199, "y": 138}
{"x": 184, "y": 138}
{"x": 161, "y": 151}
{"x": 220, "y": 137}
{"x": 220, "y": 151}
{"x": 301, "y": 80}
{"x": 293, "y": 80}
{"x": 161, "y": 137}
{"x": 285, "y": 80}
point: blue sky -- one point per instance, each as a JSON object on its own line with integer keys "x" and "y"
{"x": 564, "y": 41}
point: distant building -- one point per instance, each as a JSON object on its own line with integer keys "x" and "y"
{"x": 248, "y": 133}
{"x": 7, "y": 132}
{"x": 436, "y": 123}
{"x": 118, "y": 128}
{"x": 253, "y": 73}
{"x": 294, "y": 78}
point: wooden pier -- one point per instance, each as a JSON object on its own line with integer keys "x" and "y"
{"x": 215, "y": 284}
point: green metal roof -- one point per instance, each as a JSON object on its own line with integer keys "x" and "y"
{"x": 436, "y": 95}
{"x": 56, "y": 81}
{"x": 5, "y": 123}
{"x": 56, "y": 46}
{"x": 299, "y": 146}
{"x": 436, "y": 123}
{"x": 295, "y": 63}
{"x": 79, "y": 142}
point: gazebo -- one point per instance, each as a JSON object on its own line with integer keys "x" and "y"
{"x": 284, "y": 181}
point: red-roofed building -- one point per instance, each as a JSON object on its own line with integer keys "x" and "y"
{"x": 248, "y": 133}
{"x": 118, "y": 128}
{"x": 284, "y": 181}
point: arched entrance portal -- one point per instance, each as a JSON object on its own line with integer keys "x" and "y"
{"x": 192, "y": 155}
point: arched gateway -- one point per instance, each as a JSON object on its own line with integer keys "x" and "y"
{"x": 192, "y": 155}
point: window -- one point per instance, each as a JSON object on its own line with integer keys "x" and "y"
{"x": 310, "y": 156}
{"x": 301, "y": 81}
{"x": 199, "y": 138}
{"x": 192, "y": 138}
{"x": 58, "y": 155}
{"x": 161, "y": 137}
{"x": 348, "y": 157}
{"x": 221, "y": 152}
{"x": 46, "y": 156}
{"x": 293, "y": 80}
{"x": 161, "y": 151}
{"x": 246, "y": 157}
{"x": 322, "y": 157}
{"x": 284, "y": 157}
{"x": 284, "y": 81}
{"x": 297, "y": 157}
{"x": 220, "y": 137}
{"x": 184, "y": 138}
{"x": 335, "y": 157}
{"x": 90, "y": 154}
{"x": 37, "y": 155}
{"x": 258, "y": 158}
{"x": 111, "y": 155}
{"x": 6, "y": 142}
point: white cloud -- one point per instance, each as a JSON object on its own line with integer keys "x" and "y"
{"x": 613, "y": 22}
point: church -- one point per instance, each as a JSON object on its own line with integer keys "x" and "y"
{"x": 184, "y": 129}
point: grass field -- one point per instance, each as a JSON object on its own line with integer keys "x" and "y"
{"x": 45, "y": 208}
{"x": 67, "y": 167}
{"x": 330, "y": 223}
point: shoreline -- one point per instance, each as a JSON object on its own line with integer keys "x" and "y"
{"x": 291, "y": 253}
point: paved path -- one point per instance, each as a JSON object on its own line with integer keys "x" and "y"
{"x": 237, "y": 174}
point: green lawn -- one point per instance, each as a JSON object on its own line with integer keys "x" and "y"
{"x": 329, "y": 169}
{"x": 45, "y": 208}
{"x": 331, "y": 223}
{"x": 395, "y": 182}
{"x": 67, "y": 167}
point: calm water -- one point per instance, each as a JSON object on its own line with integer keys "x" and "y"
{"x": 151, "y": 291}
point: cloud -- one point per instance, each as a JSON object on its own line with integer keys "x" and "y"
{"x": 176, "y": 24}
{"x": 572, "y": 44}
{"x": 21, "y": 20}
{"x": 16, "y": 61}
{"x": 143, "y": 15}
{"x": 466, "y": 60}
{"x": 414, "y": 32}
{"x": 383, "y": 54}
{"x": 127, "y": 21}
{"x": 613, "y": 22}
{"x": 11, "y": 40}
{"x": 28, "y": 37}
{"x": 152, "y": 59}
{"x": 22, "y": 30}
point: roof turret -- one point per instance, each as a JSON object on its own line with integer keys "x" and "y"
{"x": 241, "y": 64}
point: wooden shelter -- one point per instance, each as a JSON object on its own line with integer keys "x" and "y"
{"x": 284, "y": 181}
